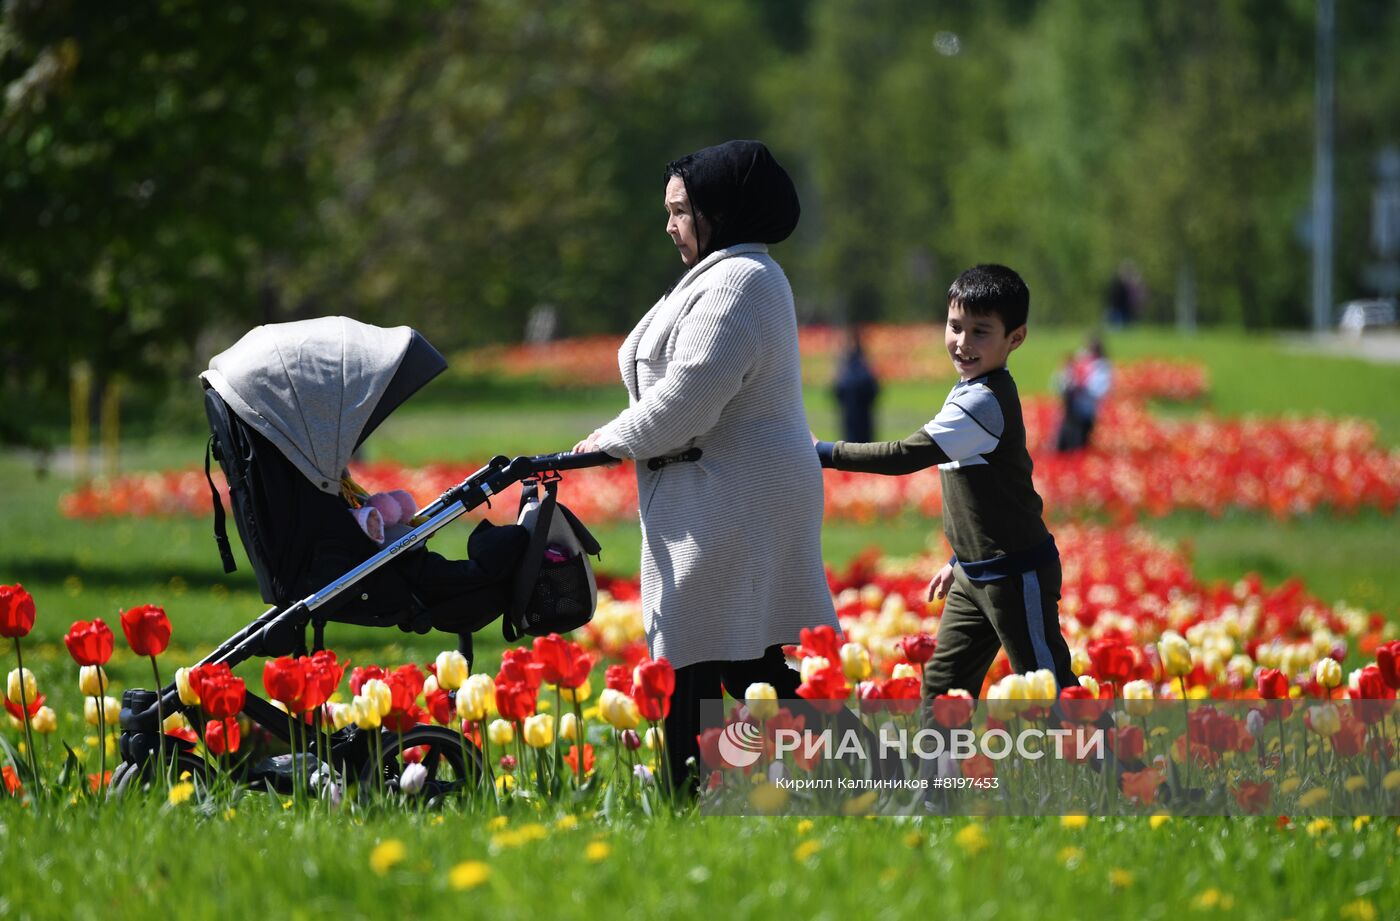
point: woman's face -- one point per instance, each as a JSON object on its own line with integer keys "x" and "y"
{"x": 688, "y": 230}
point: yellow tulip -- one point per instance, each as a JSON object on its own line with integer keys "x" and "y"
{"x": 904, "y": 670}
{"x": 379, "y": 695}
{"x": 999, "y": 704}
{"x": 1042, "y": 685}
{"x": 762, "y": 700}
{"x": 538, "y": 730}
{"x": 188, "y": 697}
{"x": 367, "y": 715}
{"x": 175, "y": 722}
{"x": 472, "y": 699}
{"x": 92, "y": 681}
{"x": 811, "y": 665}
{"x": 94, "y": 718}
{"x": 12, "y": 687}
{"x": 1018, "y": 691}
{"x": 430, "y": 684}
{"x": 568, "y": 727}
{"x": 452, "y": 669}
{"x": 342, "y": 715}
{"x": 45, "y": 721}
{"x": 1080, "y": 662}
{"x": 578, "y": 694}
{"x": 1137, "y": 698}
{"x": 500, "y": 733}
{"x": 1325, "y": 720}
{"x": 1328, "y": 672}
{"x": 654, "y": 738}
{"x": 855, "y": 662}
{"x": 619, "y": 710}
{"x": 1087, "y": 681}
{"x": 1175, "y": 654}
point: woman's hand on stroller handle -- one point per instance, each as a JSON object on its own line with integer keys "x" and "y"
{"x": 589, "y": 445}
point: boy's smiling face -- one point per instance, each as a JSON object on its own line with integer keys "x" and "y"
{"x": 979, "y": 343}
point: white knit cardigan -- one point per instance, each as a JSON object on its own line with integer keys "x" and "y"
{"x": 731, "y": 544}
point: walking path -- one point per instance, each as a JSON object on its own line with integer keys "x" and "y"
{"x": 1379, "y": 346}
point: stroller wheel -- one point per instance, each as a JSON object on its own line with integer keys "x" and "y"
{"x": 438, "y": 749}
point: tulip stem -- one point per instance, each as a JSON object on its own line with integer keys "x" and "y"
{"x": 581, "y": 734}
{"x": 28, "y": 734}
{"x": 1186, "y": 705}
{"x": 101, "y": 740}
{"x": 160, "y": 729}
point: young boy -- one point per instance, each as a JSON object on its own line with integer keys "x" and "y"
{"x": 1003, "y": 583}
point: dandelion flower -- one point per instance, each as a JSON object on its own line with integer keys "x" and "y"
{"x": 386, "y": 855}
{"x": 468, "y": 874}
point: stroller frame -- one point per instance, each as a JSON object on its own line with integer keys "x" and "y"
{"x": 281, "y": 631}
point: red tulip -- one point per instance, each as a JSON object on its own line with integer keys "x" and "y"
{"x": 364, "y": 673}
{"x": 221, "y": 693}
{"x": 710, "y": 754}
{"x": 578, "y": 664}
{"x": 571, "y": 758}
{"x": 918, "y": 648}
{"x": 16, "y": 611}
{"x": 518, "y": 664}
{"x": 1252, "y": 797}
{"x": 827, "y": 689}
{"x": 89, "y": 643}
{"x": 952, "y": 711}
{"x": 1371, "y": 685}
{"x": 821, "y": 641}
{"x": 222, "y": 736}
{"x": 902, "y": 694}
{"x": 323, "y": 674}
{"x": 35, "y": 703}
{"x": 1141, "y": 786}
{"x": 1388, "y": 662}
{"x": 619, "y": 678}
{"x": 12, "y": 784}
{"x": 440, "y": 707}
{"x": 515, "y": 700}
{"x": 1272, "y": 684}
{"x": 285, "y": 681}
{"x": 656, "y": 678}
{"x": 653, "y": 683}
{"x": 871, "y": 697}
{"x": 979, "y": 767}
{"x": 1111, "y": 660}
{"x": 551, "y": 651}
{"x": 1079, "y": 705}
{"x": 147, "y": 629}
{"x": 1128, "y": 743}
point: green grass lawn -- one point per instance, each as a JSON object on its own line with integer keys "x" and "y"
{"x": 263, "y": 862}
{"x": 146, "y": 857}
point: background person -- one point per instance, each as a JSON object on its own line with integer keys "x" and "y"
{"x": 855, "y": 389}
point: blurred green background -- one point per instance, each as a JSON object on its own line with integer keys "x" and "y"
{"x": 172, "y": 173}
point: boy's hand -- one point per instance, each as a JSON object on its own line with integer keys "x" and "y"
{"x": 938, "y": 586}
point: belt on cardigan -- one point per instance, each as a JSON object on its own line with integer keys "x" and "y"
{"x": 687, "y": 456}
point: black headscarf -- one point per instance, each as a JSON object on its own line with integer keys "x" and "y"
{"x": 741, "y": 191}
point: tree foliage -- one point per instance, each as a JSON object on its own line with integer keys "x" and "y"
{"x": 172, "y": 172}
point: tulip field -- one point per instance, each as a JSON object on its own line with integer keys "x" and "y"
{"x": 1228, "y": 545}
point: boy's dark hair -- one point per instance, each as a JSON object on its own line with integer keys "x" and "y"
{"x": 992, "y": 289}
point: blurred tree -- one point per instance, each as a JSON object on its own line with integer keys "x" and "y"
{"x": 154, "y": 159}
{"x": 517, "y": 159}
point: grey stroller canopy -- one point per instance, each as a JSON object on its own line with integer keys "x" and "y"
{"x": 316, "y": 389}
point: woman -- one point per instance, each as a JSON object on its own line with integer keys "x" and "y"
{"x": 729, "y": 487}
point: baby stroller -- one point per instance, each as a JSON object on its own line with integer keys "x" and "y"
{"x": 288, "y": 405}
